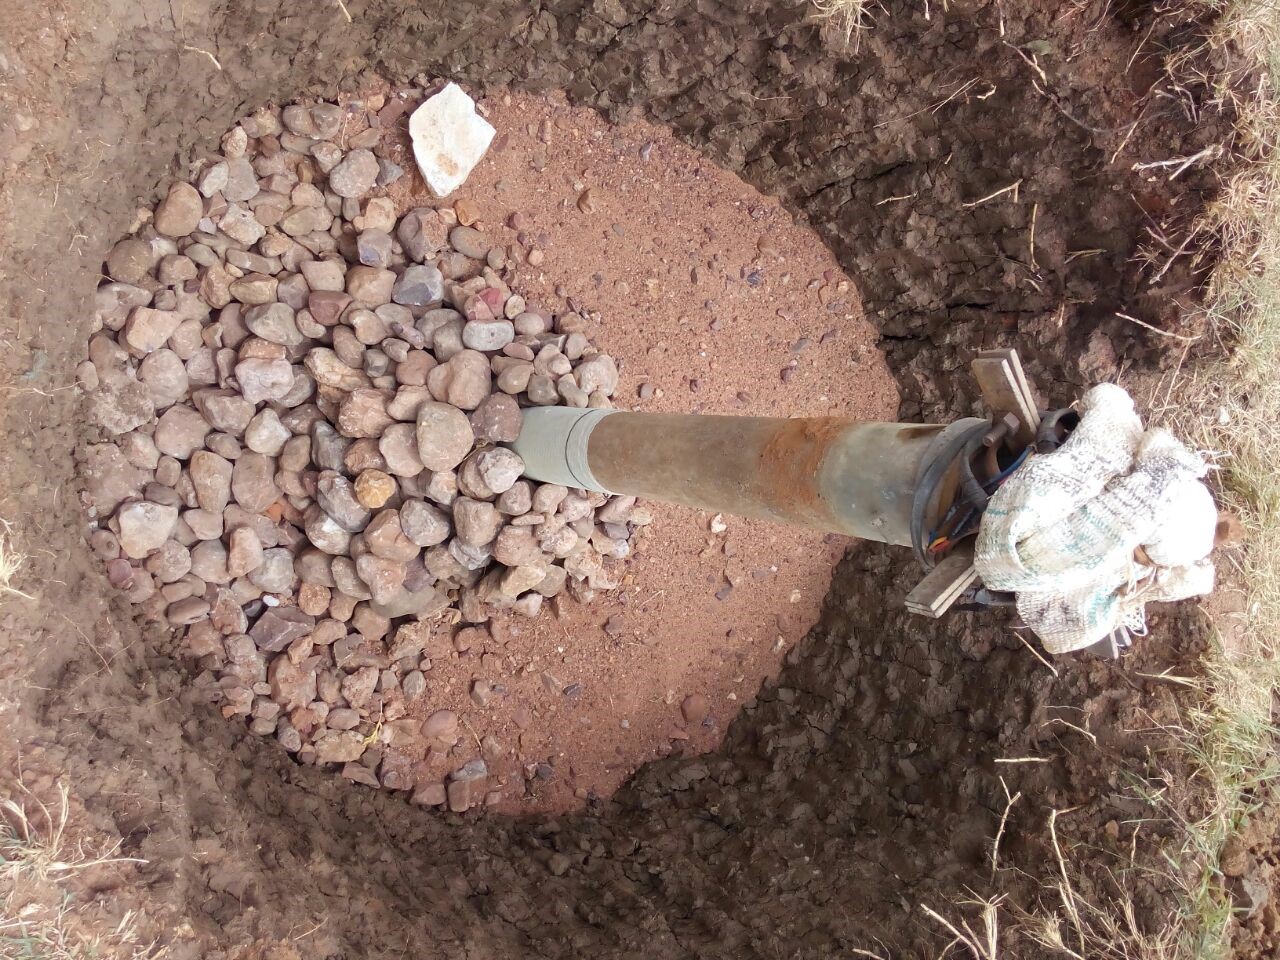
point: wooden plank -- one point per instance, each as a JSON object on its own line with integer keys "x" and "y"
{"x": 1003, "y": 394}
{"x": 1011, "y": 372}
{"x": 944, "y": 584}
{"x": 1021, "y": 383}
{"x": 943, "y": 602}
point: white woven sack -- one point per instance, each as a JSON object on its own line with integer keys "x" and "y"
{"x": 1061, "y": 532}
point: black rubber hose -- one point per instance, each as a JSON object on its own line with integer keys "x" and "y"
{"x": 962, "y": 444}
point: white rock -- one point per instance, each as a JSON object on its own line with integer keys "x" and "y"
{"x": 449, "y": 138}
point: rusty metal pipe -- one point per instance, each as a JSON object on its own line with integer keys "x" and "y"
{"x": 828, "y": 473}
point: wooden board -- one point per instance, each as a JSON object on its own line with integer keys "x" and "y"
{"x": 1005, "y": 393}
{"x": 943, "y": 585}
{"x": 1015, "y": 364}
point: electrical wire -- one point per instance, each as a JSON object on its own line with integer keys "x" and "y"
{"x": 939, "y": 544}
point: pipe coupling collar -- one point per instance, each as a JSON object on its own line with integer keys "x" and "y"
{"x": 553, "y": 445}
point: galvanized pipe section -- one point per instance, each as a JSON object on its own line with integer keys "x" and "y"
{"x": 829, "y": 473}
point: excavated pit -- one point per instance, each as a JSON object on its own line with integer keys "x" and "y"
{"x": 859, "y": 784}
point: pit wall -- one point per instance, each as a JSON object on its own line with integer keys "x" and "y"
{"x": 863, "y": 782}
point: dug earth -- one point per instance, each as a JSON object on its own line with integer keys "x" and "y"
{"x": 304, "y": 368}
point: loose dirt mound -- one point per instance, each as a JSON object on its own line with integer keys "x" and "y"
{"x": 860, "y": 784}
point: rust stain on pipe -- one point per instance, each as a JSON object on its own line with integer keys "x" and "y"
{"x": 790, "y": 461}
{"x": 828, "y": 473}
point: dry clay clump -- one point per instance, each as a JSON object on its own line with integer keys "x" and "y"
{"x": 304, "y": 401}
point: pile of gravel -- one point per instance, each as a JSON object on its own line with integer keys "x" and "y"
{"x": 304, "y": 401}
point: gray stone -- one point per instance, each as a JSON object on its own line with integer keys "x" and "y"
{"x": 476, "y": 521}
{"x": 302, "y": 222}
{"x": 464, "y": 381}
{"x": 180, "y": 431}
{"x": 187, "y": 611}
{"x": 355, "y": 175}
{"x": 275, "y": 573}
{"x": 373, "y": 248}
{"x": 179, "y": 212}
{"x": 517, "y": 547}
{"x": 209, "y": 561}
{"x": 598, "y": 375}
{"x": 293, "y": 685}
{"x": 421, "y": 233}
{"x": 280, "y": 626}
{"x": 329, "y": 370}
{"x": 120, "y": 404}
{"x": 548, "y": 497}
{"x": 320, "y": 121}
{"x": 424, "y": 524}
{"x": 226, "y": 411}
{"x": 328, "y": 447}
{"x": 325, "y": 274}
{"x": 213, "y": 179}
{"x": 337, "y": 495}
{"x": 515, "y": 378}
{"x": 405, "y": 404}
{"x": 383, "y": 577}
{"x": 165, "y": 376}
{"x": 419, "y": 286}
{"x": 488, "y": 335}
{"x": 266, "y": 434}
{"x": 205, "y": 524}
{"x": 469, "y": 242}
{"x": 499, "y": 468}
{"x": 112, "y": 303}
{"x": 368, "y": 327}
{"x": 175, "y": 270}
{"x": 363, "y": 413}
{"x": 442, "y": 487}
{"x": 497, "y": 418}
{"x": 211, "y": 478}
{"x": 148, "y": 329}
{"x": 542, "y": 390}
{"x": 239, "y": 224}
{"x": 274, "y": 322}
{"x": 245, "y": 552}
{"x": 399, "y": 447}
{"x": 517, "y": 500}
{"x": 371, "y": 286}
{"x": 347, "y": 580}
{"x": 253, "y": 482}
{"x": 242, "y": 181}
{"x": 145, "y": 526}
{"x": 339, "y": 746}
{"x": 388, "y": 172}
{"x": 444, "y": 436}
{"x": 129, "y": 260}
{"x": 264, "y": 380}
{"x": 325, "y": 533}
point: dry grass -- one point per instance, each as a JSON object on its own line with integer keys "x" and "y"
{"x": 1233, "y": 406}
{"x": 850, "y": 18}
{"x": 11, "y": 561}
{"x": 40, "y": 915}
{"x": 1228, "y": 738}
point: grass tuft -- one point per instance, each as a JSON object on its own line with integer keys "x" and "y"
{"x": 11, "y": 561}
{"x": 1233, "y": 407}
{"x": 40, "y": 916}
{"x": 849, "y": 18}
